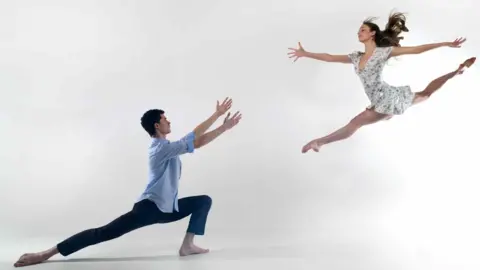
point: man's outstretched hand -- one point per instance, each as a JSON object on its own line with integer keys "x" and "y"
{"x": 229, "y": 123}
{"x": 224, "y": 107}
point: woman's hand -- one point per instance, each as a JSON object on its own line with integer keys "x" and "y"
{"x": 297, "y": 53}
{"x": 457, "y": 43}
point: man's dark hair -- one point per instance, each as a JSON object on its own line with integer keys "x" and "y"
{"x": 149, "y": 119}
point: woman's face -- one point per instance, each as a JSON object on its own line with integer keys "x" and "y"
{"x": 365, "y": 34}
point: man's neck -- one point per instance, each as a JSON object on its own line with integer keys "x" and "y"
{"x": 160, "y": 136}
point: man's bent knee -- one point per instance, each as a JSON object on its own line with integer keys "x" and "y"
{"x": 206, "y": 201}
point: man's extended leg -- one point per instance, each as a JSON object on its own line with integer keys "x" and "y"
{"x": 144, "y": 213}
{"x": 198, "y": 207}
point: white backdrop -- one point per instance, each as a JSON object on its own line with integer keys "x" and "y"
{"x": 76, "y": 76}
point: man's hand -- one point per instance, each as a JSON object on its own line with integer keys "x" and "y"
{"x": 226, "y": 118}
{"x": 229, "y": 123}
{"x": 224, "y": 107}
{"x": 221, "y": 109}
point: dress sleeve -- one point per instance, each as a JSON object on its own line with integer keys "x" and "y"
{"x": 354, "y": 56}
{"x": 386, "y": 52}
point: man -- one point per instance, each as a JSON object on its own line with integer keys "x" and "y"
{"x": 159, "y": 202}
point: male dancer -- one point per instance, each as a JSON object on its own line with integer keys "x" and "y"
{"x": 159, "y": 202}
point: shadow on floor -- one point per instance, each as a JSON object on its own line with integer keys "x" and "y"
{"x": 221, "y": 254}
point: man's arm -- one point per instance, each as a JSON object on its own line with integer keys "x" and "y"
{"x": 167, "y": 150}
{"x": 221, "y": 109}
{"x": 189, "y": 143}
{"x": 208, "y": 137}
{"x": 205, "y": 125}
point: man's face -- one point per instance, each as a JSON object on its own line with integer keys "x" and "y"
{"x": 163, "y": 127}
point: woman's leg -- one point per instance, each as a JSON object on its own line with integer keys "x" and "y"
{"x": 436, "y": 84}
{"x": 367, "y": 117}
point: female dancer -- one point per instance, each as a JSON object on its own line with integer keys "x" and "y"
{"x": 386, "y": 100}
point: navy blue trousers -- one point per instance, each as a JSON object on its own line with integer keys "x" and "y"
{"x": 144, "y": 213}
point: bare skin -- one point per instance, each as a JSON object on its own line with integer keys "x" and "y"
{"x": 189, "y": 248}
{"x": 35, "y": 258}
{"x": 370, "y": 116}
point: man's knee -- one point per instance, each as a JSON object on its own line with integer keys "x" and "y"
{"x": 206, "y": 201}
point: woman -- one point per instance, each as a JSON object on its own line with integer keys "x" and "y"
{"x": 386, "y": 100}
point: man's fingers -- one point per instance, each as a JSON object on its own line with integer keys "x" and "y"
{"x": 226, "y": 118}
{"x": 236, "y": 114}
{"x": 237, "y": 118}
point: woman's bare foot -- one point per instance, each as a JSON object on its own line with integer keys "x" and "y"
{"x": 468, "y": 63}
{"x": 313, "y": 145}
{"x": 191, "y": 249}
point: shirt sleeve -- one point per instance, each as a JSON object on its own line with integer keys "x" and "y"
{"x": 169, "y": 150}
{"x": 189, "y": 139}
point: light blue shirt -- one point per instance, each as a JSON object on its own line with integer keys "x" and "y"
{"x": 165, "y": 169}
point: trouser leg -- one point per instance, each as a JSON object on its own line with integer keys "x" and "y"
{"x": 144, "y": 213}
{"x": 196, "y": 206}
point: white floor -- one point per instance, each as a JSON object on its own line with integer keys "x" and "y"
{"x": 144, "y": 250}
{"x": 259, "y": 256}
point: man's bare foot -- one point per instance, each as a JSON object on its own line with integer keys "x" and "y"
{"x": 31, "y": 259}
{"x": 35, "y": 258}
{"x": 191, "y": 249}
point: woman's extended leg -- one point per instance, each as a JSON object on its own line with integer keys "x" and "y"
{"x": 436, "y": 84}
{"x": 366, "y": 117}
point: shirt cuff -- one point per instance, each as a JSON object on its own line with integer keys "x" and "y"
{"x": 189, "y": 140}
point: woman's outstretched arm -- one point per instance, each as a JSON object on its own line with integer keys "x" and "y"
{"x": 300, "y": 52}
{"x": 397, "y": 51}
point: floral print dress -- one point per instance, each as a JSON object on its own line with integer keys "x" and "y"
{"x": 384, "y": 98}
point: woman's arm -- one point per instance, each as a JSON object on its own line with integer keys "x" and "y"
{"x": 397, "y": 51}
{"x": 300, "y": 52}
{"x": 328, "y": 57}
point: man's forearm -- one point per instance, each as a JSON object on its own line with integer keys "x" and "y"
{"x": 209, "y": 136}
{"x": 205, "y": 125}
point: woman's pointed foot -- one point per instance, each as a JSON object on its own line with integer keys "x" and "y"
{"x": 468, "y": 63}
